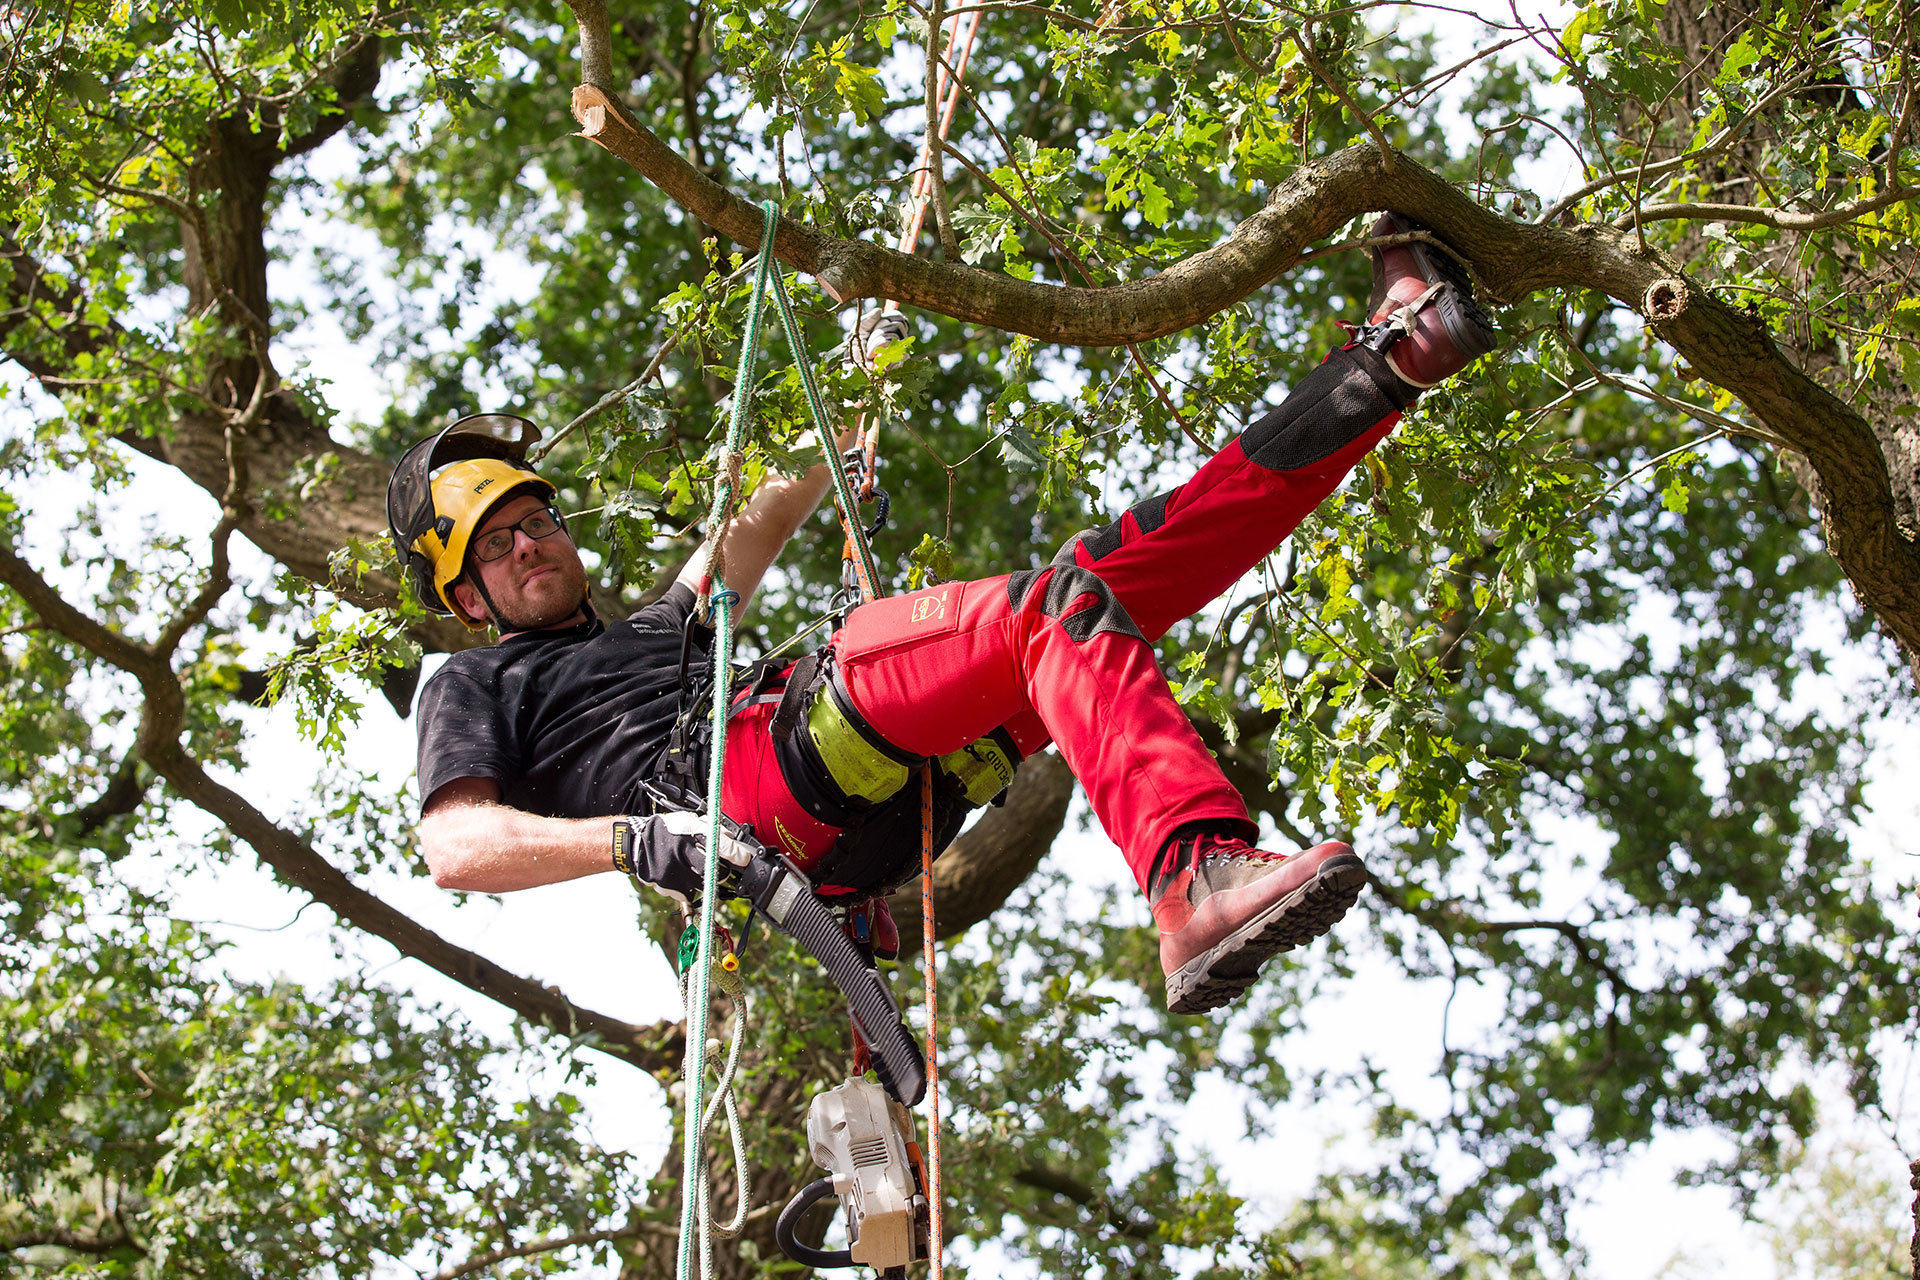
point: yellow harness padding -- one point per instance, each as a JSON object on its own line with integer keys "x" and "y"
{"x": 857, "y": 767}
{"x": 982, "y": 768}
{"x": 864, "y": 772}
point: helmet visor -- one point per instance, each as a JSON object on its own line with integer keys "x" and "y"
{"x": 481, "y": 435}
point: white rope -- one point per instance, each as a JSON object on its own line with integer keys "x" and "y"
{"x": 722, "y": 1099}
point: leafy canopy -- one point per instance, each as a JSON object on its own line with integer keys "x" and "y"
{"x": 1575, "y": 582}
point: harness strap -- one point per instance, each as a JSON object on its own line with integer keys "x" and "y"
{"x": 794, "y": 698}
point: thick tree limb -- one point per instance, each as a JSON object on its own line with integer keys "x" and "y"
{"x": 74, "y": 1241}
{"x": 1729, "y": 349}
{"x": 298, "y": 864}
{"x": 993, "y": 857}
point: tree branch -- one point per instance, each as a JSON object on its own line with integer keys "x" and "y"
{"x": 353, "y": 76}
{"x": 548, "y": 1245}
{"x": 1303, "y": 41}
{"x": 1056, "y": 1183}
{"x": 1586, "y": 948}
{"x": 1729, "y": 349}
{"x": 78, "y": 1242}
{"x": 123, "y": 793}
{"x": 596, "y": 43}
{"x": 298, "y": 864}
{"x": 1779, "y": 219}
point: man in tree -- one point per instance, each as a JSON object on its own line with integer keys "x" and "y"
{"x": 532, "y": 750}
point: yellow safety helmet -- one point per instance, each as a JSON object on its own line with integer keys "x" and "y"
{"x": 442, "y": 490}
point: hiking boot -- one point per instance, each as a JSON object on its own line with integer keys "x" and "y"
{"x": 1224, "y": 908}
{"x": 1422, "y": 315}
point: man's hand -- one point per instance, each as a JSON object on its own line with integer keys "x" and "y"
{"x": 874, "y": 333}
{"x": 736, "y": 846}
{"x": 669, "y": 852}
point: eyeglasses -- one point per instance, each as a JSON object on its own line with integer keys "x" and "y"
{"x": 495, "y": 543}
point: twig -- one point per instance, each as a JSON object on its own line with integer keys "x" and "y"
{"x": 936, "y": 161}
{"x": 551, "y": 1244}
{"x": 1712, "y": 147}
{"x": 1653, "y": 124}
{"x": 607, "y": 401}
{"x": 1233, "y": 34}
{"x": 1304, "y": 42}
{"x": 1440, "y": 77}
{"x": 1778, "y": 219}
{"x": 1898, "y": 141}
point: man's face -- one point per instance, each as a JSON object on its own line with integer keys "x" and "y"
{"x": 537, "y": 584}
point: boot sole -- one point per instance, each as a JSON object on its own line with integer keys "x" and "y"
{"x": 1469, "y": 327}
{"x": 1218, "y": 975}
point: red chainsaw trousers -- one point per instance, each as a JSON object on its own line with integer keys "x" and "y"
{"x": 1063, "y": 654}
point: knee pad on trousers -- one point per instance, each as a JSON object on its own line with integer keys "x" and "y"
{"x": 1148, "y": 514}
{"x": 1067, "y": 584}
{"x": 1346, "y": 396}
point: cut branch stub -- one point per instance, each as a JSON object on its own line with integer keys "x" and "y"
{"x": 1665, "y": 299}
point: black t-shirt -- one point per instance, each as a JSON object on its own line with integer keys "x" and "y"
{"x": 567, "y": 722}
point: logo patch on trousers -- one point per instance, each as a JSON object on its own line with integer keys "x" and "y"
{"x": 927, "y": 607}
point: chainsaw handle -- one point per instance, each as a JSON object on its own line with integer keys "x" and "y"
{"x": 783, "y": 1228}
{"x": 781, "y": 892}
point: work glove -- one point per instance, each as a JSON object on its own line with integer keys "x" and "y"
{"x": 668, "y": 852}
{"x": 875, "y": 331}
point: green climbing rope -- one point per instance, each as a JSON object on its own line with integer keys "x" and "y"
{"x": 843, "y": 496}
{"x": 695, "y": 1215}
{"x": 721, "y": 601}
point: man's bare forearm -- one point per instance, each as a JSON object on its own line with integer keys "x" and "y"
{"x": 486, "y": 847}
{"x": 771, "y": 517}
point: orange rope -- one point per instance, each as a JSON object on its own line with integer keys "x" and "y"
{"x": 960, "y": 43}
{"x": 960, "y": 37}
{"x": 934, "y": 1199}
